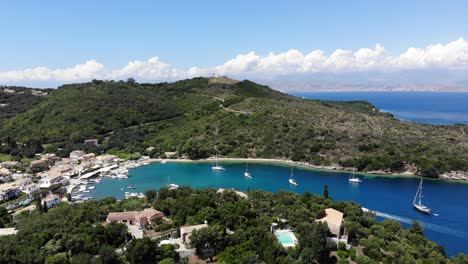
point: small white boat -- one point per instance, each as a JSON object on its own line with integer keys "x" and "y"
{"x": 163, "y": 161}
{"x": 91, "y": 187}
{"x": 354, "y": 179}
{"x": 291, "y": 179}
{"x": 121, "y": 189}
{"x": 97, "y": 181}
{"x": 86, "y": 191}
{"x": 247, "y": 173}
{"x": 131, "y": 187}
{"x": 173, "y": 186}
{"x": 419, "y": 205}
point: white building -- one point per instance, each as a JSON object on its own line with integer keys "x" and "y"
{"x": 51, "y": 200}
{"x": 77, "y": 155}
{"x": 46, "y": 182}
{"x": 30, "y": 188}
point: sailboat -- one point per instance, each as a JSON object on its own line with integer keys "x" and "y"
{"x": 418, "y": 205}
{"x": 247, "y": 173}
{"x": 217, "y": 166}
{"x": 291, "y": 180}
{"x": 354, "y": 179}
{"x": 171, "y": 186}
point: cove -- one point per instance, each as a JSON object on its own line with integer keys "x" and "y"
{"x": 391, "y": 197}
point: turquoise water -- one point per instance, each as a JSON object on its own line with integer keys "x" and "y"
{"x": 439, "y": 108}
{"x": 284, "y": 237}
{"x": 391, "y": 196}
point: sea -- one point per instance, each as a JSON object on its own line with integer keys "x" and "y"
{"x": 438, "y": 108}
{"x": 390, "y": 197}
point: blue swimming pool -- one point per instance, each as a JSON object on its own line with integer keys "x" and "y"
{"x": 285, "y": 238}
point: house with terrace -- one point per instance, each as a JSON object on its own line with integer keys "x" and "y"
{"x": 137, "y": 218}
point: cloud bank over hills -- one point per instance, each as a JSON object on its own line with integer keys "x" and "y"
{"x": 436, "y": 65}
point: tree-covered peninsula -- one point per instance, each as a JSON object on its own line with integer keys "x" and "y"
{"x": 238, "y": 230}
{"x": 199, "y": 117}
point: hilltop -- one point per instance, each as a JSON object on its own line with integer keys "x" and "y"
{"x": 200, "y": 116}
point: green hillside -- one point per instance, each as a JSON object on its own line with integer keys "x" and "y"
{"x": 15, "y": 100}
{"x": 196, "y": 117}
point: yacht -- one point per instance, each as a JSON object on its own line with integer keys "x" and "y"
{"x": 354, "y": 179}
{"x": 131, "y": 187}
{"x": 217, "y": 166}
{"x": 418, "y": 204}
{"x": 291, "y": 179}
{"x": 171, "y": 186}
{"x": 247, "y": 173}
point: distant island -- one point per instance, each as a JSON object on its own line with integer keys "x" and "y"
{"x": 202, "y": 117}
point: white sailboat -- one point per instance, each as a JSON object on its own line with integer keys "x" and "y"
{"x": 217, "y": 166}
{"x": 291, "y": 179}
{"x": 354, "y": 179}
{"x": 171, "y": 186}
{"x": 418, "y": 205}
{"x": 247, "y": 173}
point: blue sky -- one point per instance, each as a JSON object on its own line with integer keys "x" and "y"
{"x": 183, "y": 34}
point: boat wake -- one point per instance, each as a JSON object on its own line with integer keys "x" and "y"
{"x": 433, "y": 227}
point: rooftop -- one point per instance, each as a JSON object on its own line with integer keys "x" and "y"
{"x": 334, "y": 218}
{"x": 189, "y": 229}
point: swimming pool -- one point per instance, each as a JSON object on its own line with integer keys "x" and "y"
{"x": 286, "y": 238}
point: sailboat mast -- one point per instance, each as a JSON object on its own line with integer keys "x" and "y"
{"x": 416, "y": 195}
{"x": 420, "y": 190}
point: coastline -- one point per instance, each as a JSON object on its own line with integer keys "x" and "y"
{"x": 314, "y": 167}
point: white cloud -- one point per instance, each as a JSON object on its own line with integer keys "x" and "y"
{"x": 152, "y": 69}
{"x": 449, "y": 56}
{"x": 89, "y": 69}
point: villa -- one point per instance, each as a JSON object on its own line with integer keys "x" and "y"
{"x": 51, "y": 200}
{"x": 334, "y": 220}
{"x": 8, "y": 191}
{"x": 138, "y": 218}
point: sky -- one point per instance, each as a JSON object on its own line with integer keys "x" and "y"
{"x": 48, "y": 43}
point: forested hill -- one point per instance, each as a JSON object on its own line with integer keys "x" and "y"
{"x": 14, "y": 100}
{"x": 198, "y": 116}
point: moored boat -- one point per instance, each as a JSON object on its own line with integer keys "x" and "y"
{"x": 418, "y": 205}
